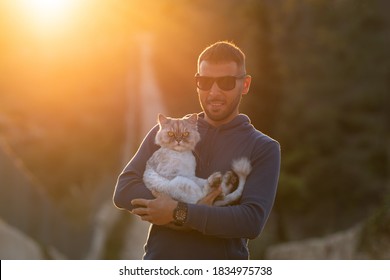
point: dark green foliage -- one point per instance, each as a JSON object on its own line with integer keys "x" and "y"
{"x": 332, "y": 124}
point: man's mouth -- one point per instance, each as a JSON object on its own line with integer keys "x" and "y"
{"x": 216, "y": 103}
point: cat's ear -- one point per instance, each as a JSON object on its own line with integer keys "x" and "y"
{"x": 162, "y": 119}
{"x": 193, "y": 118}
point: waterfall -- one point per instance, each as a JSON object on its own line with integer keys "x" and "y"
{"x": 143, "y": 102}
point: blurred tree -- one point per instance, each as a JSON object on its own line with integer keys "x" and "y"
{"x": 333, "y": 123}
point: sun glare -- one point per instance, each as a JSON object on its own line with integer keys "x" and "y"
{"x": 46, "y": 7}
{"x": 47, "y": 13}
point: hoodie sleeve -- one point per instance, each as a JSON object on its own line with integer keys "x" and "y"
{"x": 130, "y": 183}
{"x": 248, "y": 218}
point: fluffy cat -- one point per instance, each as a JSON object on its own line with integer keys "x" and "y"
{"x": 171, "y": 169}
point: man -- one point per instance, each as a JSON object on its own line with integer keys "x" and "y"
{"x": 214, "y": 232}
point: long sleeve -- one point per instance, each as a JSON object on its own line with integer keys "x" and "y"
{"x": 130, "y": 184}
{"x": 247, "y": 219}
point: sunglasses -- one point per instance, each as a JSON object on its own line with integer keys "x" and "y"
{"x": 224, "y": 83}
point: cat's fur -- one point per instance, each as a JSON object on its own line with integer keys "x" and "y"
{"x": 171, "y": 169}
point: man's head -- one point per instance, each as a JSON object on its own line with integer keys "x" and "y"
{"x": 223, "y": 51}
{"x": 221, "y": 81}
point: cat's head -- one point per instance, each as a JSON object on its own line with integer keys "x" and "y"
{"x": 179, "y": 134}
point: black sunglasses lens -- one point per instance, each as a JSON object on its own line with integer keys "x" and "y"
{"x": 226, "y": 83}
{"x": 204, "y": 83}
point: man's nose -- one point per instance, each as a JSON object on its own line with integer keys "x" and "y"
{"x": 215, "y": 88}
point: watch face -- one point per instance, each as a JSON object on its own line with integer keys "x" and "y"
{"x": 181, "y": 215}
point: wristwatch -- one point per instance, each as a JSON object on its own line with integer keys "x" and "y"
{"x": 180, "y": 214}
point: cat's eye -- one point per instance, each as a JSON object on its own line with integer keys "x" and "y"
{"x": 171, "y": 134}
{"x": 185, "y": 134}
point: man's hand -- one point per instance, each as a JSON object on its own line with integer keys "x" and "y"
{"x": 158, "y": 211}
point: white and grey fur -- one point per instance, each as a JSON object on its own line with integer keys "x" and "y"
{"x": 171, "y": 169}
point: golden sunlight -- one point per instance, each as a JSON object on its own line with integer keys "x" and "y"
{"x": 47, "y": 14}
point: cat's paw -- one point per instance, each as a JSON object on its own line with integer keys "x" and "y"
{"x": 230, "y": 180}
{"x": 214, "y": 180}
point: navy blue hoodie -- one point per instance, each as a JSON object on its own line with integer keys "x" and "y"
{"x": 216, "y": 232}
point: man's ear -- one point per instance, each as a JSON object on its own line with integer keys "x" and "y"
{"x": 247, "y": 84}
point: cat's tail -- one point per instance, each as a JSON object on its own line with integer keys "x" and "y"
{"x": 241, "y": 167}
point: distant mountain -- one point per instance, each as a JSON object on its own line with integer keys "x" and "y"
{"x": 25, "y": 207}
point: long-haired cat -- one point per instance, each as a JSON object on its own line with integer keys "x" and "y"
{"x": 171, "y": 169}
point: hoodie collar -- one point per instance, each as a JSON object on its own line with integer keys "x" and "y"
{"x": 241, "y": 120}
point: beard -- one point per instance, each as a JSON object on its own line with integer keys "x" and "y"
{"x": 220, "y": 113}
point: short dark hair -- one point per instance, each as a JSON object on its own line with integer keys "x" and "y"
{"x": 223, "y": 51}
